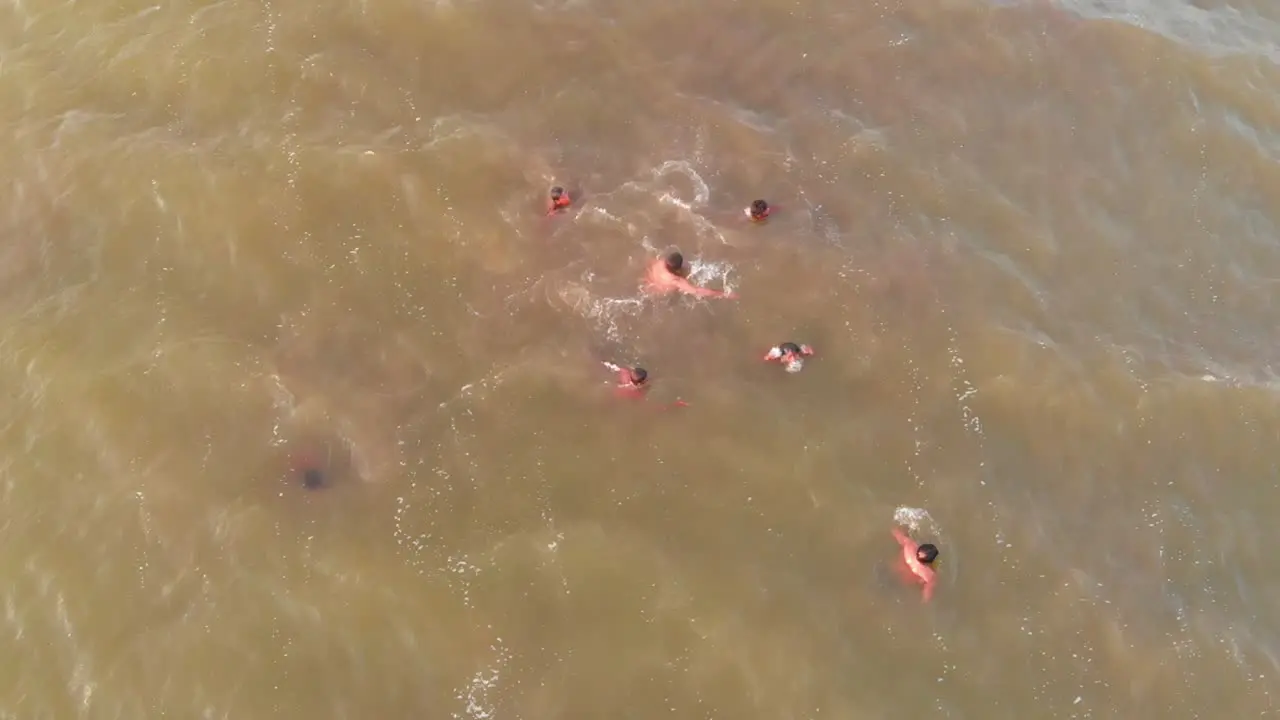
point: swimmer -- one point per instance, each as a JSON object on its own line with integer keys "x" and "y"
{"x": 919, "y": 559}
{"x": 666, "y": 274}
{"x": 632, "y": 381}
{"x": 790, "y": 355}
{"x": 758, "y": 211}
{"x": 558, "y": 200}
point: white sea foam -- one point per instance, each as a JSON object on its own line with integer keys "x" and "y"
{"x": 701, "y": 192}
{"x": 478, "y": 694}
{"x": 915, "y": 520}
{"x": 709, "y": 273}
{"x": 606, "y": 313}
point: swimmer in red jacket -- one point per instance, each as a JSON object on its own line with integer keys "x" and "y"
{"x": 758, "y": 211}
{"x": 790, "y": 355}
{"x": 632, "y": 381}
{"x": 558, "y": 200}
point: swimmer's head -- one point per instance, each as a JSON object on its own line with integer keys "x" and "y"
{"x": 639, "y": 375}
{"x": 759, "y": 210}
{"x": 927, "y": 553}
{"x": 789, "y": 348}
{"x": 674, "y": 262}
{"x": 557, "y": 192}
{"x": 312, "y": 479}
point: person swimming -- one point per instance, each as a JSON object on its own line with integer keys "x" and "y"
{"x": 758, "y": 211}
{"x": 633, "y": 381}
{"x": 666, "y": 275}
{"x": 919, "y": 560}
{"x": 558, "y": 200}
{"x": 629, "y": 378}
{"x": 633, "y": 377}
{"x": 790, "y": 355}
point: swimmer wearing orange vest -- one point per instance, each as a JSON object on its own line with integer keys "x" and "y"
{"x": 633, "y": 382}
{"x": 790, "y": 355}
{"x": 558, "y": 200}
{"x": 666, "y": 275}
{"x": 758, "y": 211}
{"x": 918, "y": 559}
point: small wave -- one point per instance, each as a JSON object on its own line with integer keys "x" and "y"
{"x": 1260, "y": 380}
{"x": 1223, "y": 30}
{"x": 657, "y": 187}
{"x": 701, "y": 192}
{"x": 759, "y": 121}
{"x": 605, "y": 312}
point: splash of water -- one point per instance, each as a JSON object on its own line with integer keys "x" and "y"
{"x": 477, "y": 695}
{"x": 916, "y": 518}
{"x": 605, "y": 312}
{"x": 704, "y": 272}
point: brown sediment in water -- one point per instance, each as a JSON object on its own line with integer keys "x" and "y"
{"x": 1033, "y": 247}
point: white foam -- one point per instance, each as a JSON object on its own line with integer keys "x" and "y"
{"x": 477, "y": 695}
{"x": 270, "y": 27}
{"x": 913, "y": 419}
{"x": 604, "y": 312}
{"x": 914, "y": 519}
{"x": 701, "y": 192}
{"x": 465, "y": 571}
{"x": 711, "y": 272}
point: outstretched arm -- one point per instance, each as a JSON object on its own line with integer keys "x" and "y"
{"x": 687, "y": 287}
{"x": 708, "y": 292}
{"x": 901, "y": 537}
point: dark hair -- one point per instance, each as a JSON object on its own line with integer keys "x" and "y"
{"x": 789, "y": 347}
{"x": 759, "y": 207}
{"x": 312, "y": 479}
{"x": 639, "y": 375}
{"x": 927, "y": 553}
{"x": 675, "y": 261}
{"x": 557, "y": 191}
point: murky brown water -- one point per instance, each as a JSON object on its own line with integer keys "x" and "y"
{"x": 1035, "y": 246}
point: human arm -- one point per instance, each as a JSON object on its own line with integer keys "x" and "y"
{"x": 708, "y": 292}
{"x": 687, "y": 287}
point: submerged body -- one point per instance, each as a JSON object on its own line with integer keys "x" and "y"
{"x": 790, "y": 355}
